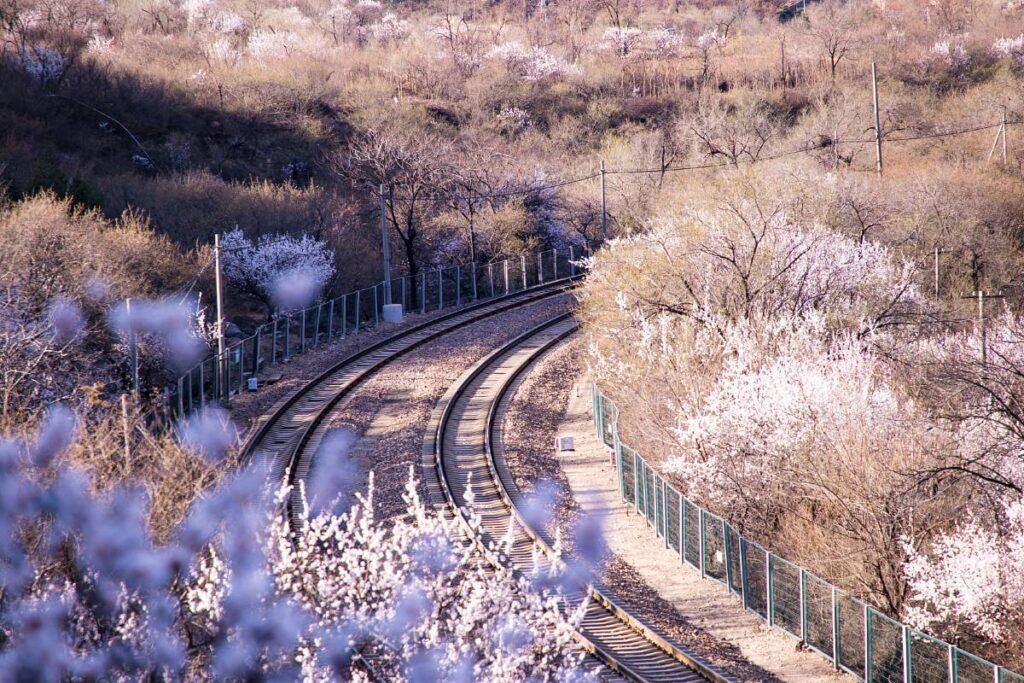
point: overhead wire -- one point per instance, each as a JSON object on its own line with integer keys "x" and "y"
{"x": 805, "y": 149}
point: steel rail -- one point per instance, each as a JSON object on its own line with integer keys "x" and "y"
{"x": 283, "y": 437}
{"x": 642, "y": 654}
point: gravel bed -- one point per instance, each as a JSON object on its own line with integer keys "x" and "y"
{"x": 389, "y": 413}
{"x": 536, "y": 411}
{"x": 294, "y": 373}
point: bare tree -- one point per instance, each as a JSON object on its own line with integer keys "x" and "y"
{"x": 413, "y": 166}
{"x": 461, "y": 36}
{"x": 475, "y": 187}
{"x": 575, "y": 17}
{"x": 833, "y": 25}
{"x": 735, "y": 133}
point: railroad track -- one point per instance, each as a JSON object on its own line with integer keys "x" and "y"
{"x": 286, "y": 440}
{"x": 464, "y": 445}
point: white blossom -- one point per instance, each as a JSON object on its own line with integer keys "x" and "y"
{"x": 289, "y": 271}
{"x": 621, "y": 40}
{"x": 531, "y": 64}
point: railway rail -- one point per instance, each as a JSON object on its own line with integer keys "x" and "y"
{"x": 461, "y": 440}
{"x": 286, "y": 440}
{"x": 464, "y": 445}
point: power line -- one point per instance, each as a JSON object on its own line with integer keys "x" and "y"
{"x": 805, "y": 149}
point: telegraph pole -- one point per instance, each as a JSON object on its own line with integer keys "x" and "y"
{"x": 133, "y": 349}
{"x": 878, "y": 120}
{"x": 220, "y": 312}
{"x": 385, "y": 247}
{"x": 604, "y": 205}
{"x": 1003, "y": 120}
{"x": 1000, "y": 137}
{"x": 981, "y": 296}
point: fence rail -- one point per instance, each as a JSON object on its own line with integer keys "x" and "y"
{"x": 220, "y": 376}
{"x": 855, "y": 637}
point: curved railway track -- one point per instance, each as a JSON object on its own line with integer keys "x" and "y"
{"x": 464, "y": 445}
{"x": 286, "y": 440}
{"x": 463, "y": 438}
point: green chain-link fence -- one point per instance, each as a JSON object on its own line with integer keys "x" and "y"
{"x": 857, "y": 638}
{"x": 358, "y": 311}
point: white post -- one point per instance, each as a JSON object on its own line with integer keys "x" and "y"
{"x": 220, "y": 311}
{"x": 878, "y": 119}
{"x": 133, "y": 349}
{"x": 604, "y": 205}
{"x": 1004, "y": 136}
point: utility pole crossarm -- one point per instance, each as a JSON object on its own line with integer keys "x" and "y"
{"x": 981, "y": 296}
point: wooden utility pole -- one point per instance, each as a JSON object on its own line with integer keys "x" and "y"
{"x": 835, "y": 150}
{"x": 126, "y": 434}
{"x": 604, "y": 205}
{"x": 878, "y": 119}
{"x": 981, "y": 296}
{"x": 385, "y": 248}
{"x": 1003, "y": 128}
{"x": 1000, "y": 137}
{"x": 220, "y": 317}
{"x": 133, "y": 349}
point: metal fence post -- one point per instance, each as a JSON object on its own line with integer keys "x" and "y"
{"x": 744, "y": 576}
{"x": 769, "y": 587}
{"x": 330, "y": 320}
{"x": 908, "y": 661}
{"x": 256, "y": 351}
{"x": 506, "y": 275}
{"x": 181, "y": 396}
{"x": 682, "y": 529}
{"x": 316, "y": 329}
{"x": 344, "y": 315}
{"x": 836, "y": 631}
{"x": 619, "y": 464}
{"x": 803, "y": 605}
{"x": 376, "y": 311}
{"x": 636, "y": 482}
{"x": 954, "y": 666}
{"x": 474, "y": 280}
{"x": 225, "y": 362}
{"x": 423, "y": 292}
{"x": 302, "y": 333}
{"x": 703, "y": 545}
{"x": 726, "y": 535}
{"x": 287, "y": 337}
{"x": 490, "y": 277}
{"x": 868, "y": 642}
{"x": 458, "y": 285}
{"x": 522, "y": 264}
{"x": 572, "y": 261}
{"x": 202, "y": 386}
{"x": 440, "y": 288}
{"x": 358, "y": 311}
{"x": 664, "y": 511}
{"x": 554, "y": 264}
{"x": 540, "y": 267}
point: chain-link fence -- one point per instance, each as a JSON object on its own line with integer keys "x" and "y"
{"x": 856, "y": 638}
{"x": 358, "y": 311}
